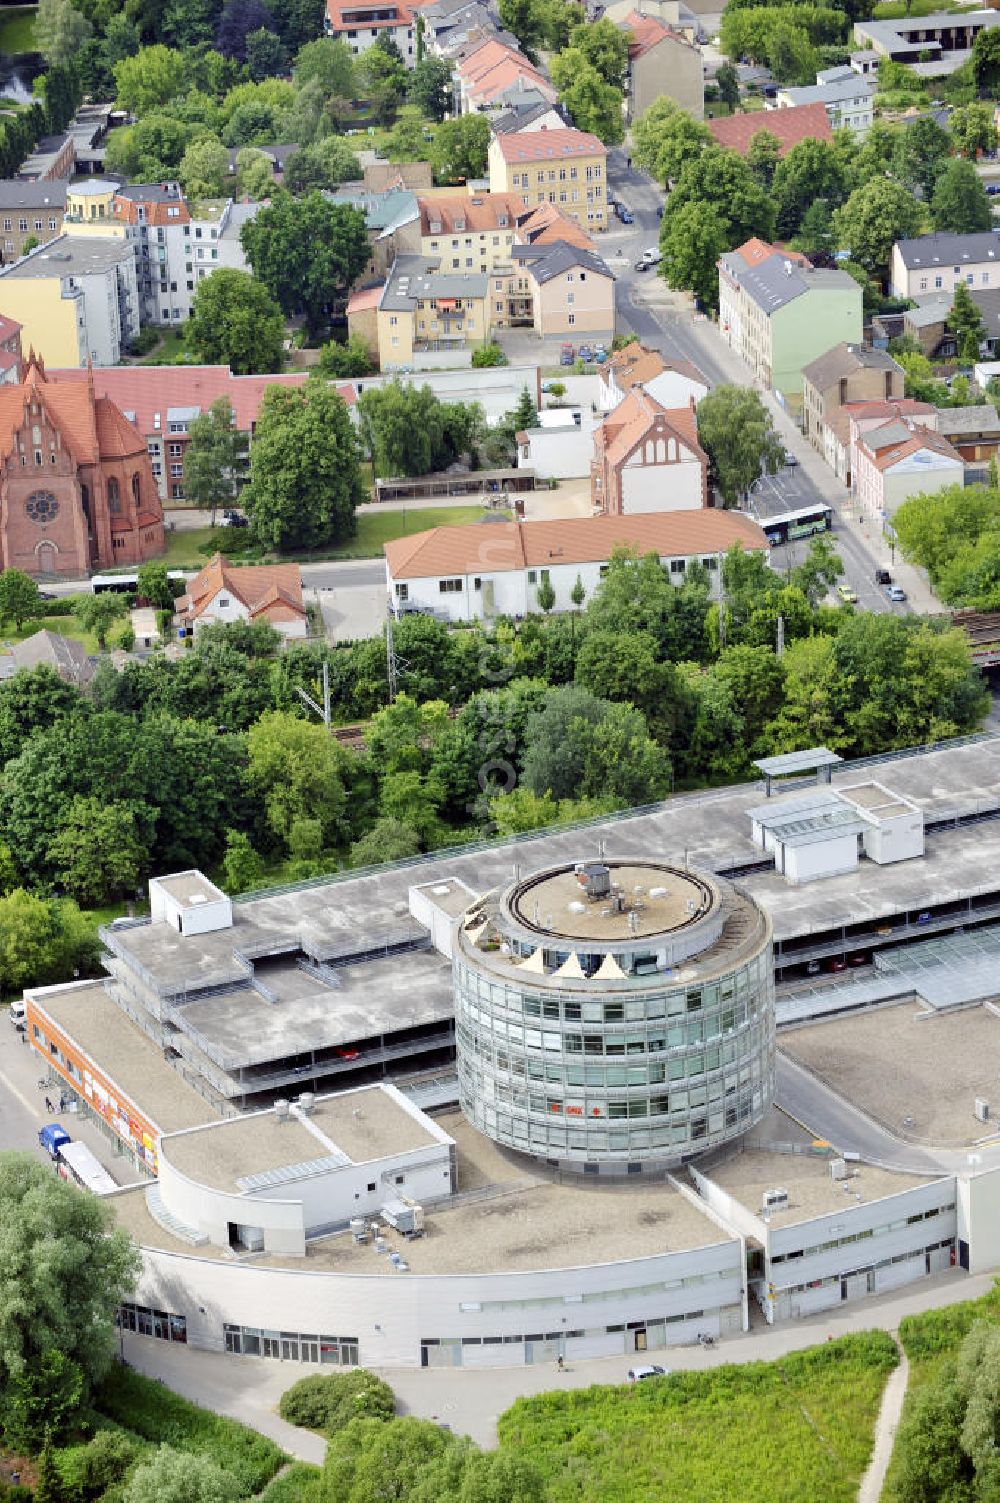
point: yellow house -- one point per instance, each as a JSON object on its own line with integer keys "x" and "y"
{"x": 469, "y": 232}
{"x": 75, "y": 298}
{"x": 424, "y": 308}
{"x": 567, "y": 168}
{"x": 89, "y": 208}
{"x": 51, "y": 320}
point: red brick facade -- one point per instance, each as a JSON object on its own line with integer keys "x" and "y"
{"x": 76, "y": 486}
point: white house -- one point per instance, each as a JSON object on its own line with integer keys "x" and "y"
{"x": 849, "y": 100}
{"x": 560, "y": 447}
{"x": 258, "y": 592}
{"x": 898, "y": 460}
{"x": 471, "y": 573}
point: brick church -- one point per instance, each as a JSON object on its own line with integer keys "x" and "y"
{"x": 77, "y": 491}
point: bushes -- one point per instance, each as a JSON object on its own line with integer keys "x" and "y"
{"x": 299, "y": 1483}
{"x": 330, "y": 1401}
{"x": 150, "y": 1410}
{"x": 88, "y": 1471}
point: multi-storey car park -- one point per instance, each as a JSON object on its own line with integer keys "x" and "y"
{"x": 201, "y": 1053}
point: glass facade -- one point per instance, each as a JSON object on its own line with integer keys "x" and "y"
{"x": 645, "y": 1068}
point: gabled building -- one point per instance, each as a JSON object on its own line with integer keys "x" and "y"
{"x": 10, "y": 351}
{"x": 848, "y": 99}
{"x": 487, "y": 70}
{"x": 844, "y": 424}
{"x": 360, "y": 23}
{"x": 566, "y": 168}
{"x": 938, "y": 263}
{"x": 778, "y": 312}
{"x": 528, "y": 110}
{"x": 661, "y": 61}
{"x": 425, "y": 308}
{"x": 898, "y": 460}
{"x": 258, "y": 592}
{"x": 647, "y": 458}
{"x": 572, "y": 291}
{"x": 674, "y": 383}
{"x": 806, "y": 122}
{"x": 847, "y": 373}
{"x": 30, "y": 210}
{"x": 76, "y": 487}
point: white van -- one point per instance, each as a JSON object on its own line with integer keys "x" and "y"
{"x": 18, "y": 1011}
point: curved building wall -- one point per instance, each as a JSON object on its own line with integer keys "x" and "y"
{"x": 603, "y": 1075}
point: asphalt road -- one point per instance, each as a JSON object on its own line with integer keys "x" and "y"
{"x": 829, "y": 1116}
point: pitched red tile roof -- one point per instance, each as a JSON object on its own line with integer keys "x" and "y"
{"x": 544, "y": 225}
{"x": 149, "y": 390}
{"x": 635, "y": 416}
{"x": 648, "y": 32}
{"x": 801, "y": 122}
{"x": 892, "y": 449}
{"x": 360, "y": 14}
{"x": 271, "y": 591}
{"x": 501, "y": 548}
{"x": 476, "y": 212}
{"x": 550, "y": 145}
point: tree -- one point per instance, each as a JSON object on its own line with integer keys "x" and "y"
{"x": 406, "y": 141}
{"x": 921, "y": 149}
{"x": 821, "y": 568}
{"x": 19, "y": 597}
{"x": 691, "y": 241}
{"x": 874, "y": 217}
{"x": 325, "y": 164}
{"x": 727, "y": 81}
{"x": 100, "y": 851}
{"x": 98, "y": 613}
{"x": 344, "y": 360}
{"x": 327, "y": 61}
{"x": 966, "y": 320}
{"x": 488, "y": 355}
{"x": 815, "y": 233}
{"x": 387, "y": 840}
{"x": 986, "y": 62}
{"x": 735, "y": 430}
{"x": 579, "y": 744}
{"x": 60, "y": 32}
{"x": 238, "y": 20}
{"x": 328, "y": 1401}
{"x": 154, "y": 75}
{"x": 242, "y": 868}
{"x": 298, "y": 21}
{"x": 235, "y": 321}
{"x": 723, "y": 182}
{"x": 254, "y": 175}
{"x": 429, "y": 87}
{"x": 812, "y": 172}
{"x": 265, "y": 54}
{"x": 154, "y": 587}
{"x": 298, "y": 771}
{"x": 665, "y": 138}
{"x": 546, "y": 595}
{"x": 385, "y": 78}
{"x": 204, "y": 167}
{"x": 624, "y": 666}
{"x": 605, "y": 47}
{"x": 33, "y": 700}
{"x": 960, "y": 202}
{"x": 578, "y": 594}
{"x": 594, "y": 105}
{"x": 306, "y": 252}
{"x": 64, "y": 1271}
{"x": 305, "y": 477}
{"x": 763, "y": 155}
{"x": 523, "y": 18}
{"x": 972, "y": 129}
{"x": 42, "y": 1402}
{"x": 150, "y": 149}
{"x": 49, "y": 1487}
{"x": 180, "y": 1477}
{"x": 406, "y": 430}
{"x": 214, "y": 457}
{"x": 459, "y": 148}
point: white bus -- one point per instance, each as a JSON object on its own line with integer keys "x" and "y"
{"x": 78, "y": 1164}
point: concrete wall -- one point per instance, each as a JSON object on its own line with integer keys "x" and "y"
{"x": 390, "y": 1313}
{"x": 912, "y": 478}
{"x": 562, "y": 452}
{"x": 661, "y": 487}
{"x": 979, "y": 1219}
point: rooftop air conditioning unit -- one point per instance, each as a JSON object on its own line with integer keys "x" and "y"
{"x": 838, "y": 1169}
{"x": 306, "y": 1102}
{"x": 982, "y": 1110}
{"x": 281, "y": 1109}
{"x": 774, "y": 1200}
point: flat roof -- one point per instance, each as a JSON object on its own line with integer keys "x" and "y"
{"x": 71, "y": 255}
{"x": 657, "y": 901}
{"x": 804, "y": 819}
{"x": 876, "y": 801}
{"x": 811, "y": 1190}
{"x": 451, "y": 896}
{"x": 125, "y": 1054}
{"x": 526, "y": 1221}
{"x": 711, "y": 825}
{"x": 369, "y": 1123}
{"x": 191, "y": 889}
{"x": 241, "y": 1027}
{"x": 798, "y": 761}
{"x": 916, "y": 1070}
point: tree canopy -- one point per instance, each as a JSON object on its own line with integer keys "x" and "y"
{"x": 305, "y": 480}
{"x": 306, "y": 252}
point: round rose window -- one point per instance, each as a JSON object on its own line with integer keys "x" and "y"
{"x": 42, "y": 507}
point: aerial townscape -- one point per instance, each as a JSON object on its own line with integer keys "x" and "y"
{"x": 499, "y": 540}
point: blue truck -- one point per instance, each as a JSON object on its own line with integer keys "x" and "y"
{"x": 52, "y": 1138}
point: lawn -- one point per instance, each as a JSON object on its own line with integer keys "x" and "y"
{"x": 188, "y": 548}
{"x": 792, "y": 1431}
{"x": 63, "y": 626}
{"x": 170, "y": 346}
{"x": 17, "y": 28}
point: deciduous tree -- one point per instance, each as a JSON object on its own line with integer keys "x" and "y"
{"x": 60, "y": 32}
{"x": 203, "y": 168}
{"x": 100, "y": 850}
{"x": 19, "y": 597}
{"x": 665, "y": 138}
{"x": 154, "y": 75}
{"x": 172, "y": 1476}
{"x": 594, "y": 105}
{"x": 429, "y": 87}
{"x": 736, "y": 432}
{"x": 306, "y": 252}
{"x": 305, "y": 477}
{"x": 214, "y": 458}
{"x": 960, "y": 203}
{"x": 874, "y": 217}
{"x": 298, "y": 771}
{"x": 459, "y": 148}
{"x": 235, "y": 321}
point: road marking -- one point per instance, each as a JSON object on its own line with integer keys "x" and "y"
{"x": 31, "y": 1106}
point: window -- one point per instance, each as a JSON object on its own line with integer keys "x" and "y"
{"x": 223, "y": 602}
{"x": 449, "y": 586}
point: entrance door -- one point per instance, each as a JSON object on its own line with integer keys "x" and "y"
{"x": 640, "y": 1341}
{"x": 46, "y": 556}
{"x": 309, "y": 1349}
{"x": 270, "y": 1346}
{"x": 289, "y": 1347}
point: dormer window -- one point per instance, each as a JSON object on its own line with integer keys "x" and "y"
{"x": 435, "y": 226}
{"x": 460, "y": 224}
{"x": 502, "y": 221}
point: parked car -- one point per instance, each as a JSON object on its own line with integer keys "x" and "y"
{"x": 566, "y": 355}
{"x": 846, "y": 593}
{"x": 882, "y": 576}
{"x": 625, "y": 215}
{"x": 600, "y": 353}
{"x": 650, "y": 1370}
{"x": 232, "y": 518}
{"x": 585, "y": 353}
{"x": 895, "y": 592}
{"x": 837, "y": 964}
{"x": 790, "y": 460}
{"x": 641, "y": 265}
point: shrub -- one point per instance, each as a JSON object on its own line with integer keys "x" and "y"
{"x": 299, "y": 1483}
{"x": 328, "y": 1402}
{"x": 180, "y": 1477}
{"x": 88, "y": 1471}
{"x": 488, "y": 354}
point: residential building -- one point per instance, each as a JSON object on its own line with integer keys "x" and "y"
{"x": 858, "y": 417}
{"x": 76, "y": 487}
{"x": 931, "y": 45}
{"x": 661, "y": 61}
{"x": 379, "y": 177}
{"x": 253, "y": 592}
{"x": 849, "y": 101}
{"x": 527, "y": 111}
{"x": 973, "y": 431}
{"x": 29, "y": 210}
{"x": 647, "y": 458}
{"x": 803, "y": 122}
{"x": 76, "y": 298}
{"x": 360, "y": 24}
{"x": 865, "y": 61}
{"x": 545, "y": 225}
{"x": 470, "y": 573}
{"x": 277, "y": 153}
{"x": 469, "y": 232}
{"x": 672, "y": 383}
{"x": 567, "y": 168}
{"x": 163, "y": 400}
{"x": 673, "y": 13}
{"x": 928, "y": 322}
{"x": 847, "y": 373}
{"x": 176, "y": 249}
{"x": 64, "y": 655}
{"x": 10, "y": 351}
{"x": 571, "y": 291}
{"x": 560, "y": 445}
{"x": 488, "y": 69}
{"x": 939, "y": 262}
{"x": 424, "y": 309}
{"x": 53, "y": 157}
{"x": 895, "y": 461}
{"x": 90, "y": 207}
{"x": 392, "y": 220}
{"x": 778, "y": 312}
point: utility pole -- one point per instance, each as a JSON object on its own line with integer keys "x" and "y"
{"x": 324, "y": 712}
{"x": 779, "y": 645}
{"x": 392, "y": 666}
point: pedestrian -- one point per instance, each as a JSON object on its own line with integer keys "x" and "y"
{"x": 560, "y": 1365}
{"x": 48, "y": 1106}
{"x": 629, "y": 161}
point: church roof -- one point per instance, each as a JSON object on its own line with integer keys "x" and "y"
{"x": 117, "y": 437}
{"x": 91, "y": 428}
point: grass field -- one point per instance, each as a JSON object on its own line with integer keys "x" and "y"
{"x": 793, "y": 1431}
{"x": 189, "y": 548}
{"x": 17, "y": 28}
{"x": 63, "y": 626}
{"x": 170, "y": 346}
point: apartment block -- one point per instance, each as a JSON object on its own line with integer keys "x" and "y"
{"x": 424, "y": 308}
{"x": 29, "y": 210}
{"x": 939, "y": 263}
{"x": 77, "y": 299}
{"x": 567, "y": 168}
{"x": 175, "y": 247}
{"x": 847, "y": 373}
{"x": 360, "y": 23}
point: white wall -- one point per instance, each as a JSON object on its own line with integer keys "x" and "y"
{"x": 661, "y": 487}
{"x": 895, "y": 839}
{"x": 979, "y": 1219}
{"x": 825, "y": 858}
{"x": 672, "y": 389}
{"x": 560, "y": 452}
